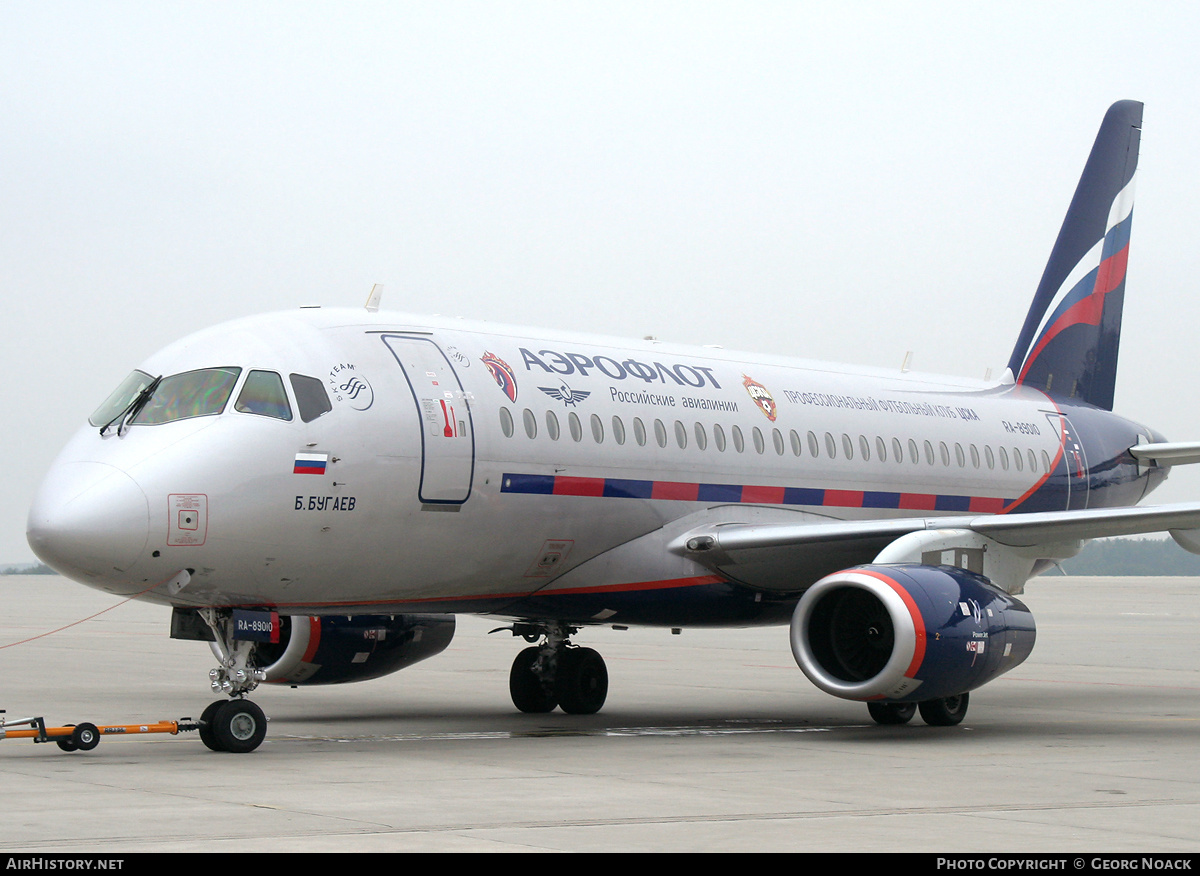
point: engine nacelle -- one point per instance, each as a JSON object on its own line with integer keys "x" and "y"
{"x": 908, "y": 633}
{"x": 338, "y": 649}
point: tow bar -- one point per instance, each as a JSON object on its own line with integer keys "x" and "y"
{"x": 84, "y": 737}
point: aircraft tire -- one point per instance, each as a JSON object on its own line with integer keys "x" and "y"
{"x": 66, "y": 743}
{"x": 582, "y": 683}
{"x": 528, "y": 693}
{"x": 207, "y": 736}
{"x": 945, "y": 712}
{"x": 239, "y": 726}
{"x": 85, "y": 737}
{"x": 892, "y": 713}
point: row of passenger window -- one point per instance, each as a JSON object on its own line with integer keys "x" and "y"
{"x": 830, "y": 446}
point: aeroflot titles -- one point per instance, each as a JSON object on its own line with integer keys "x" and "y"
{"x": 570, "y": 363}
{"x": 554, "y": 362}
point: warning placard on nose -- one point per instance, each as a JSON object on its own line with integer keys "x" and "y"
{"x": 187, "y": 519}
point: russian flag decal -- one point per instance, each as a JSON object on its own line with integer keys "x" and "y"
{"x": 310, "y": 463}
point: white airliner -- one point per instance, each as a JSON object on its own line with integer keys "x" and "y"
{"x": 318, "y": 493}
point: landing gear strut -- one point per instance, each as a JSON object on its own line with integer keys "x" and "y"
{"x": 556, "y": 673}
{"x": 234, "y": 725}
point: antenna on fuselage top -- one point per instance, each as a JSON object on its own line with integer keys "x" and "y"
{"x": 372, "y": 304}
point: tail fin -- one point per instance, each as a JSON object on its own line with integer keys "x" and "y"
{"x": 1068, "y": 345}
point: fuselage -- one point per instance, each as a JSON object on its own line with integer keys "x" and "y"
{"x": 330, "y": 461}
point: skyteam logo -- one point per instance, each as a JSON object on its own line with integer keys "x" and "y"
{"x": 351, "y": 387}
{"x": 502, "y": 373}
{"x": 569, "y": 397}
{"x": 761, "y": 397}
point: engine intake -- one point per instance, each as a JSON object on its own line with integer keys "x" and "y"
{"x": 908, "y": 633}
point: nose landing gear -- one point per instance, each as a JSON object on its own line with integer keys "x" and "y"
{"x": 234, "y": 725}
{"x": 556, "y": 673}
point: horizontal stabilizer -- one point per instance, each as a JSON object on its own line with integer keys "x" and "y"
{"x": 1167, "y": 452}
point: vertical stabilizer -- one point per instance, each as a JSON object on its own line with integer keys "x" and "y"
{"x": 1068, "y": 345}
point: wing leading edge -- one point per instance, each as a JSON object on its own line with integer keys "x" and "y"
{"x": 1005, "y": 548}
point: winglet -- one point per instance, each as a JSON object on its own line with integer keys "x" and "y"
{"x": 372, "y": 304}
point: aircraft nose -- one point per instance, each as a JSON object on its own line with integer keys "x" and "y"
{"x": 88, "y": 520}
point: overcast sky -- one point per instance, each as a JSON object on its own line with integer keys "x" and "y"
{"x": 844, "y": 181}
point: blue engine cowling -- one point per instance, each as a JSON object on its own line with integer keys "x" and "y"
{"x": 907, "y": 633}
{"x": 335, "y": 650}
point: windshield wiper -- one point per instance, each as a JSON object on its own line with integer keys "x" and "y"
{"x": 131, "y": 410}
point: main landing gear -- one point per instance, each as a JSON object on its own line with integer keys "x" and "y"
{"x": 556, "y": 673}
{"x": 235, "y": 725}
{"x": 944, "y": 712}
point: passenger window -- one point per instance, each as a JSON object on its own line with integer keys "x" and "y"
{"x": 552, "y": 428}
{"x": 777, "y": 440}
{"x": 847, "y": 446}
{"x": 701, "y": 436}
{"x": 530, "y": 423}
{"x": 1003, "y": 459}
{"x": 974, "y": 456}
{"x": 959, "y": 457}
{"x": 618, "y": 430}
{"x": 680, "y": 435}
{"x": 830, "y": 446}
{"x": 864, "y": 448}
{"x": 1017, "y": 459}
{"x": 311, "y": 398}
{"x": 719, "y": 437}
{"x": 928, "y": 453}
{"x": 759, "y": 443}
{"x": 797, "y": 446}
{"x": 506, "y": 422}
{"x": 913, "y": 453}
{"x": 739, "y": 443}
{"x": 1045, "y": 462}
{"x": 945, "y": 452}
{"x": 575, "y": 426}
{"x": 639, "y": 431}
{"x": 989, "y": 456}
{"x": 597, "y": 429}
{"x": 814, "y": 446}
{"x": 660, "y": 433}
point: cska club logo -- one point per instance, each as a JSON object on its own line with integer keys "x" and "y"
{"x": 761, "y": 397}
{"x": 502, "y": 374}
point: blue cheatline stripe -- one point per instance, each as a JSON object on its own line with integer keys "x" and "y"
{"x": 625, "y": 488}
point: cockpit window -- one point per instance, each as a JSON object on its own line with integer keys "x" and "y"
{"x": 311, "y": 397}
{"x": 263, "y": 394}
{"x": 121, "y": 398}
{"x": 190, "y": 394}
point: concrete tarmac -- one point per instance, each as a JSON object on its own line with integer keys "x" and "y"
{"x": 710, "y": 741}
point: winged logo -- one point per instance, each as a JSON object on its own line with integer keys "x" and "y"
{"x": 570, "y": 397}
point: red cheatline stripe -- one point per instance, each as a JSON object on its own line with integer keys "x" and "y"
{"x": 567, "y": 486}
{"x": 844, "y": 498}
{"x": 919, "y": 502}
{"x": 670, "y": 490}
{"x": 698, "y": 581}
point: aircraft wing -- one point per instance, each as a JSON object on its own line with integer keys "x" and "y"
{"x": 781, "y": 556}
